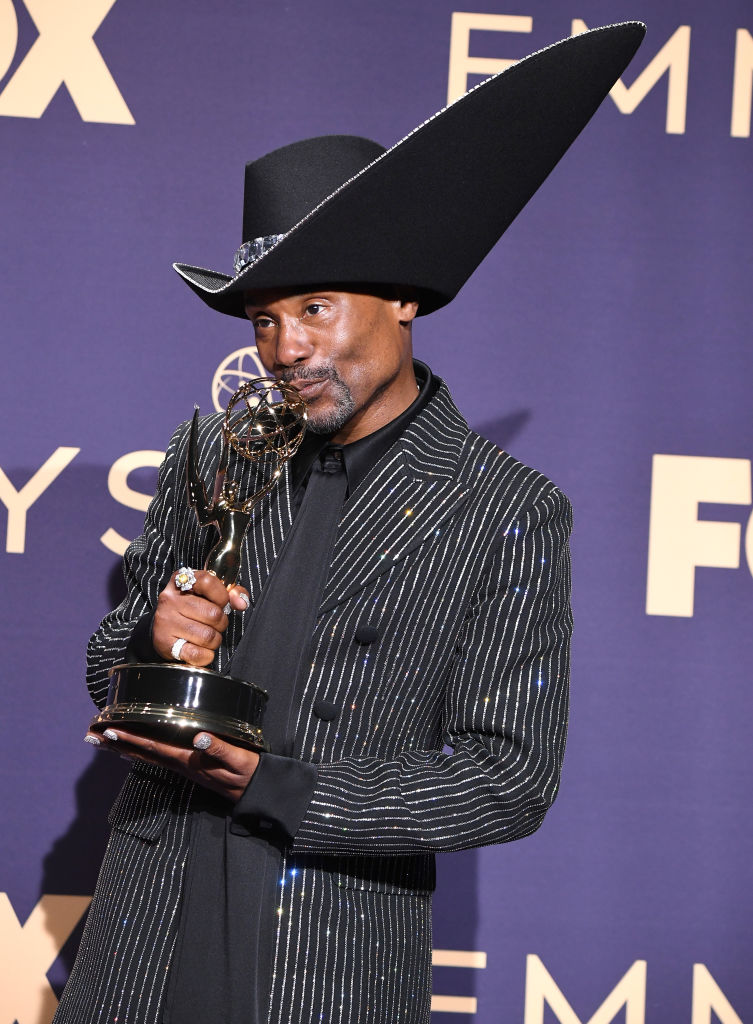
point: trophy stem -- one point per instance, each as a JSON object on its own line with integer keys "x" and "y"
{"x": 224, "y": 560}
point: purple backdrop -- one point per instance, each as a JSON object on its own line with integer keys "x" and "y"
{"x": 611, "y": 325}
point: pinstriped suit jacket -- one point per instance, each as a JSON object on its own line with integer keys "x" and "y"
{"x": 458, "y": 554}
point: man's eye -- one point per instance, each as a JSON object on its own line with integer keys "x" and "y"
{"x": 313, "y": 308}
{"x": 261, "y": 323}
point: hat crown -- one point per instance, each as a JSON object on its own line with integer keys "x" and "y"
{"x": 282, "y": 187}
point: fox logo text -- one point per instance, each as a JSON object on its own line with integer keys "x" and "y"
{"x": 64, "y": 53}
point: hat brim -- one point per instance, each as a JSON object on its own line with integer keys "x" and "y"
{"x": 429, "y": 209}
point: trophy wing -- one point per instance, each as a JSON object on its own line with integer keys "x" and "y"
{"x": 197, "y": 492}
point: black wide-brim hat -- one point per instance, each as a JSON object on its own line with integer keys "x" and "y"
{"x": 340, "y": 209}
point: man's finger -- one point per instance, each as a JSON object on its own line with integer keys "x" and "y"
{"x": 207, "y": 585}
{"x": 145, "y": 747}
{"x": 192, "y": 654}
{"x": 210, "y": 745}
{"x": 235, "y": 759}
{"x": 116, "y": 745}
{"x": 195, "y": 606}
{"x": 196, "y": 648}
{"x": 238, "y": 598}
{"x": 200, "y": 634}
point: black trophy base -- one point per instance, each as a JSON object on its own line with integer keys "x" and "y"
{"x": 173, "y": 702}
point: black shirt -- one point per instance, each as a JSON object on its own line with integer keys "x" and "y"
{"x": 360, "y": 455}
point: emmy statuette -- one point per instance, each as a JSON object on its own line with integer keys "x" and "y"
{"x": 174, "y": 701}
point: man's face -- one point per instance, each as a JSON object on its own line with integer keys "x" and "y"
{"x": 347, "y": 353}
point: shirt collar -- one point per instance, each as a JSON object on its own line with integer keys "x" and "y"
{"x": 359, "y": 456}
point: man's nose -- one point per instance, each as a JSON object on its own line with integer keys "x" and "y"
{"x": 293, "y": 343}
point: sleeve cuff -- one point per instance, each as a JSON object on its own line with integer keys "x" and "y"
{"x": 277, "y": 797}
{"x": 140, "y": 647}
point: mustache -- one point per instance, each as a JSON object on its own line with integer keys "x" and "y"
{"x": 325, "y": 371}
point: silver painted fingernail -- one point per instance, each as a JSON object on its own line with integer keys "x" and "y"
{"x": 109, "y": 734}
{"x": 94, "y": 740}
{"x": 202, "y": 742}
{"x": 246, "y": 599}
{"x": 228, "y": 608}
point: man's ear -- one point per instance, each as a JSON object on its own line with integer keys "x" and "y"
{"x": 407, "y": 309}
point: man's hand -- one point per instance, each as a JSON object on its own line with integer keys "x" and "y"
{"x": 197, "y": 616}
{"x": 213, "y": 763}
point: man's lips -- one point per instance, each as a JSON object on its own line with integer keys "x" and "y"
{"x": 309, "y": 388}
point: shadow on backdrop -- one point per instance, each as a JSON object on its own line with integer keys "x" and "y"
{"x": 504, "y": 429}
{"x": 72, "y": 864}
{"x": 116, "y": 586}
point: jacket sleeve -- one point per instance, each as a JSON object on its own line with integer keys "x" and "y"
{"x": 147, "y": 566}
{"x": 505, "y": 714}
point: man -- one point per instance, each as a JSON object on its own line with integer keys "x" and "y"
{"x": 405, "y": 588}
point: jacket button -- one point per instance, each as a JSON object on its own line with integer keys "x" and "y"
{"x": 325, "y": 710}
{"x": 367, "y": 634}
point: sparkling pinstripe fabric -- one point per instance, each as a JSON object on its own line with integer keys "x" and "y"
{"x": 457, "y": 554}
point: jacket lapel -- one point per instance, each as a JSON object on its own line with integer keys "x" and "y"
{"x": 405, "y": 499}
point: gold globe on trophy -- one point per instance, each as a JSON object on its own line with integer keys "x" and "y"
{"x": 265, "y": 421}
